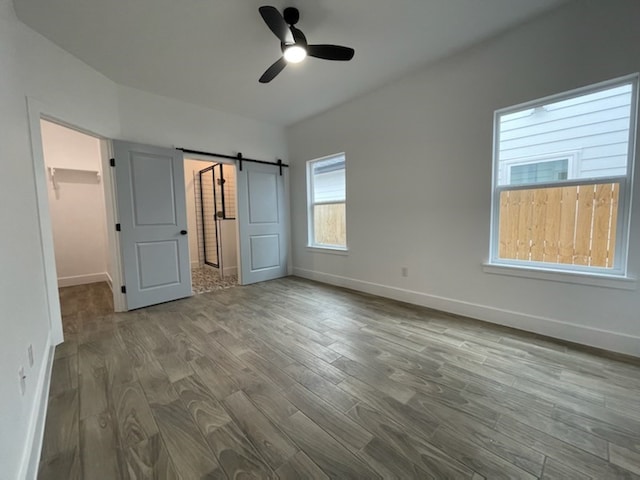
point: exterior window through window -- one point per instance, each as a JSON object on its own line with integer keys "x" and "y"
{"x": 327, "y": 202}
{"x": 562, "y": 180}
{"x": 540, "y": 172}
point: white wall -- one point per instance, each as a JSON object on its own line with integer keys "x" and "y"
{"x": 78, "y": 214}
{"x": 229, "y": 228}
{"x": 419, "y": 155}
{"x": 156, "y": 120}
{"x": 229, "y": 243}
{"x": 63, "y": 87}
{"x": 72, "y": 91}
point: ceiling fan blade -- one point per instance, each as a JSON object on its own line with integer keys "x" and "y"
{"x": 331, "y": 52}
{"x": 276, "y": 23}
{"x": 273, "y": 70}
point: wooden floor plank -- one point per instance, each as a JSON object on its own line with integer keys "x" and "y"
{"x": 149, "y": 459}
{"x": 155, "y": 383}
{"x": 554, "y": 470}
{"x": 321, "y": 387}
{"x": 449, "y": 403}
{"x": 272, "y": 444}
{"x": 293, "y": 379}
{"x": 237, "y": 455}
{"x": 625, "y": 458}
{"x": 573, "y": 457}
{"x": 268, "y": 370}
{"x": 269, "y": 400}
{"x": 325, "y": 451}
{"x": 417, "y": 449}
{"x": 216, "y": 380}
{"x": 99, "y": 451}
{"x": 514, "y": 452}
{"x": 206, "y": 410}
{"x": 389, "y": 463}
{"x": 63, "y": 465}
{"x": 602, "y": 423}
{"x": 420, "y": 422}
{"x": 132, "y": 413}
{"x": 61, "y": 434}
{"x": 477, "y": 458}
{"x": 576, "y": 437}
{"x": 300, "y": 466}
{"x": 64, "y": 374}
{"x": 186, "y": 445}
{"x": 334, "y": 422}
{"x": 376, "y": 379}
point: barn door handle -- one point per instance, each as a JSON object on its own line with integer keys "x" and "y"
{"x": 183, "y": 232}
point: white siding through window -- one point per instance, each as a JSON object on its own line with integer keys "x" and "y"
{"x": 329, "y": 187}
{"x": 594, "y": 128}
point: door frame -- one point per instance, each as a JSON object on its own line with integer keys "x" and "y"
{"x": 37, "y": 111}
{"x": 222, "y": 161}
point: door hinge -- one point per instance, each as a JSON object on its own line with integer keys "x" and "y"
{"x": 123, "y": 289}
{"x": 118, "y": 227}
{"x": 112, "y": 162}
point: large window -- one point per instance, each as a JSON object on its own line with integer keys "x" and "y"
{"x": 327, "y": 202}
{"x": 562, "y": 180}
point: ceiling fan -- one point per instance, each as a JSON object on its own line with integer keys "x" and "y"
{"x": 294, "y": 44}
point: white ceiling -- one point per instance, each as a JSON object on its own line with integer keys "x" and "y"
{"x": 212, "y": 52}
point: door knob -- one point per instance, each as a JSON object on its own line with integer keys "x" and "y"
{"x": 183, "y": 232}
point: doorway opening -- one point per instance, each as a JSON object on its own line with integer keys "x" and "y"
{"x": 74, "y": 165}
{"x": 211, "y": 216}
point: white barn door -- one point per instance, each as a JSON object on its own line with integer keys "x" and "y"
{"x": 152, "y": 213}
{"x": 262, "y": 222}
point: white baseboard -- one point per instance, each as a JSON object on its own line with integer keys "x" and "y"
{"x": 35, "y": 434}
{"x": 109, "y": 280}
{"x": 607, "y": 340}
{"x": 83, "y": 279}
{"x": 229, "y": 271}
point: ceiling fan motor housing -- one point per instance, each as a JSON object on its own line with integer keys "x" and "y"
{"x": 298, "y": 39}
{"x": 291, "y": 15}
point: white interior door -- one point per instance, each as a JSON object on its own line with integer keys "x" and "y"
{"x": 262, "y": 223}
{"x": 152, "y": 214}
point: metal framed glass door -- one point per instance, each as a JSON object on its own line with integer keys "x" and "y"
{"x": 217, "y": 203}
{"x": 209, "y": 204}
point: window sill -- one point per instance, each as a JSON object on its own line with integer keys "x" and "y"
{"x": 329, "y": 250}
{"x": 595, "y": 279}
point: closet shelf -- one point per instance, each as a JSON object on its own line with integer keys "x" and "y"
{"x": 53, "y": 170}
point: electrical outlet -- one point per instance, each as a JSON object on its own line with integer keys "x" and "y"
{"x": 23, "y": 380}
{"x": 30, "y": 355}
{"x": 405, "y": 271}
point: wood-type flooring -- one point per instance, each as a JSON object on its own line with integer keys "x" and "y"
{"x": 293, "y": 379}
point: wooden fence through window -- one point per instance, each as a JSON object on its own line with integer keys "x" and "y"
{"x": 569, "y": 225}
{"x": 330, "y": 224}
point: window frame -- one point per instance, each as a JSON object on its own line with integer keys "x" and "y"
{"x": 626, "y": 182}
{"x": 340, "y": 249}
{"x": 571, "y": 157}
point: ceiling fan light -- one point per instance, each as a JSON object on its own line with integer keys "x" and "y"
{"x": 295, "y": 54}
